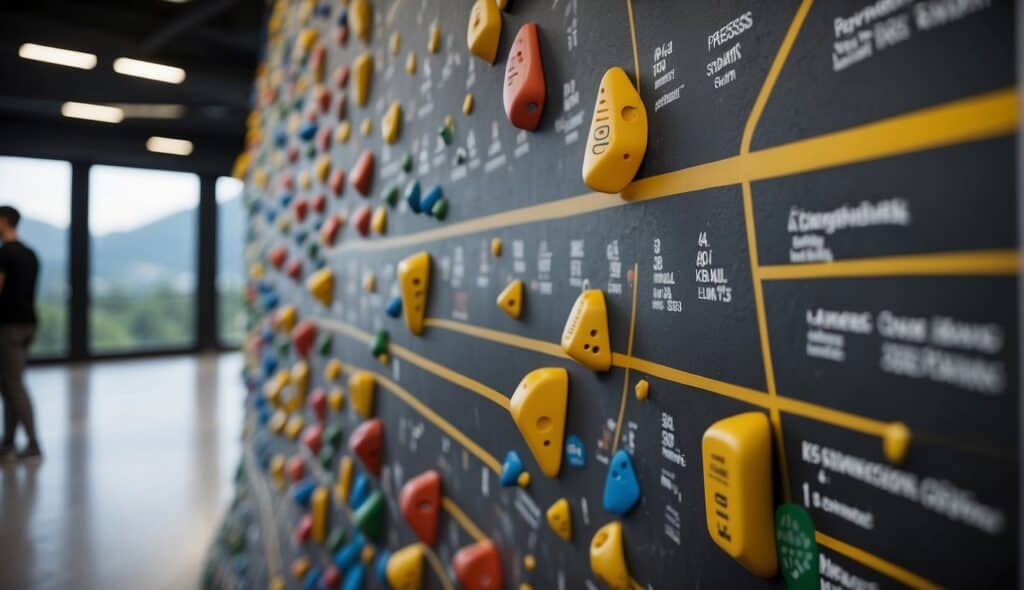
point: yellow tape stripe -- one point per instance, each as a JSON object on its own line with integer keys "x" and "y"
{"x": 423, "y": 362}
{"x": 632, "y": 35}
{"x": 974, "y": 263}
{"x": 629, "y": 352}
{"x": 436, "y": 419}
{"x": 534, "y": 344}
{"x": 876, "y": 563}
{"x": 464, "y": 521}
{"x": 437, "y": 566}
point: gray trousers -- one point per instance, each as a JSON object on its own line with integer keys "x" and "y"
{"x": 14, "y": 342}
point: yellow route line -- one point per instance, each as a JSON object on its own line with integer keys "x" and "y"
{"x": 436, "y": 419}
{"x": 632, "y": 34}
{"x": 748, "y": 214}
{"x": 983, "y": 116}
{"x": 437, "y": 566}
{"x": 464, "y": 521}
{"x": 740, "y": 393}
{"x": 975, "y": 263}
{"x": 402, "y": 352}
{"x": 629, "y": 353}
{"x": 876, "y": 563}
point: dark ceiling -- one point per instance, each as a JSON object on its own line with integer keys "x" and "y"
{"x": 217, "y": 42}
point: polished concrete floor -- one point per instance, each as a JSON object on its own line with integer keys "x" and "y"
{"x": 139, "y": 462}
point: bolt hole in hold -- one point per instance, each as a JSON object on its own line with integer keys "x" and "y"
{"x": 593, "y": 333}
{"x": 586, "y": 347}
{"x": 629, "y": 113}
{"x": 476, "y": 22}
{"x": 532, "y": 107}
{"x": 600, "y": 539}
{"x": 547, "y": 443}
{"x": 616, "y": 475}
{"x": 625, "y": 156}
{"x": 425, "y": 507}
{"x": 596, "y": 349}
{"x": 511, "y": 302}
{"x": 416, "y": 281}
{"x": 544, "y": 424}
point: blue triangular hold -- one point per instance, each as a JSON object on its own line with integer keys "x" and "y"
{"x": 394, "y": 308}
{"x": 412, "y": 196}
{"x": 349, "y": 555}
{"x": 303, "y": 491}
{"x": 511, "y": 469}
{"x": 354, "y": 579}
{"x": 432, "y": 197}
{"x": 382, "y": 565}
{"x": 621, "y": 487}
{"x": 360, "y": 491}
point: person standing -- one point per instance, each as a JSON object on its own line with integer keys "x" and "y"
{"x": 19, "y": 271}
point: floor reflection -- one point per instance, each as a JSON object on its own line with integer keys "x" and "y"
{"x": 139, "y": 459}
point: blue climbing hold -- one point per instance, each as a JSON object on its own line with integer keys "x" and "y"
{"x": 621, "y": 487}
{"x": 343, "y": 18}
{"x": 303, "y": 491}
{"x": 270, "y": 301}
{"x": 308, "y": 131}
{"x": 382, "y": 565}
{"x": 286, "y": 199}
{"x": 349, "y": 555}
{"x": 312, "y": 579}
{"x": 575, "y": 452}
{"x": 269, "y": 364}
{"x": 433, "y": 196}
{"x": 412, "y": 196}
{"x": 394, "y": 308}
{"x": 354, "y": 579}
{"x": 511, "y": 469}
{"x": 280, "y": 137}
{"x": 360, "y": 491}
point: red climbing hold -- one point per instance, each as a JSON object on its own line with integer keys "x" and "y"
{"x": 277, "y": 256}
{"x": 524, "y": 89}
{"x": 313, "y": 438}
{"x": 478, "y": 566}
{"x": 304, "y": 529}
{"x": 320, "y": 203}
{"x": 420, "y": 502}
{"x": 362, "y": 173}
{"x": 337, "y": 181}
{"x": 329, "y": 231}
{"x": 361, "y": 219}
{"x": 294, "y": 270}
{"x": 301, "y": 209}
{"x": 367, "y": 443}
{"x": 318, "y": 401}
{"x": 303, "y": 336}
{"x": 296, "y": 468}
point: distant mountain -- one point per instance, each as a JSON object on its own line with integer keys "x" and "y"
{"x": 163, "y": 251}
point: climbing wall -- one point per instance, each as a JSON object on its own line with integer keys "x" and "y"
{"x": 630, "y": 294}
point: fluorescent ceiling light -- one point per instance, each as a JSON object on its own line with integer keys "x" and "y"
{"x": 138, "y": 110}
{"x": 167, "y": 145}
{"x": 149, "y": 70}
{"x": 56, "y": 55}
{"x": 92, "y": 112}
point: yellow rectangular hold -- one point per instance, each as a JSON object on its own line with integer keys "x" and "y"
{"x": 321, "y": 509}
{"x": 737, "y": 453}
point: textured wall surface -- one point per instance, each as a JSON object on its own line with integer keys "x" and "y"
{"x": 809, "y": 296}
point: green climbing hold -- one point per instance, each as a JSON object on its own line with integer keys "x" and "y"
{"x": 336, "y": 539}
{"x": 325, "y": 346}
{"x": 333, "y": 435}
{"x": 326, "y": 457}
{"x": 407, "y": 163}
{"x": 313, "y": 250}
{"x": 440, "y": 209}
{"x": 461, "y": 156}
{"x": 446, "y": 134}
{"x": 797, "y": 549}
{"x": 381, "y": 343}
{"x": 391, "y": 197}
{"x": 370, "y": 516}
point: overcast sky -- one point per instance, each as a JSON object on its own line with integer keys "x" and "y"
{"x": 121, "y": 199}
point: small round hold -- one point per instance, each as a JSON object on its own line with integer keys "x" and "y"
{"x": 467, "y": 103}
{"x": 641, "y": 389}
{"x": 368, "y": 553}
{"x": 496, "y": 247}
{"x": 895, "y": 442}
{"x": 529, "y": 562}
{"x": 523, "y": 480}
{"x": 366, "y": 128}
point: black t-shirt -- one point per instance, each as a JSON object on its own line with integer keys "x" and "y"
{"x": 20, "y": 267}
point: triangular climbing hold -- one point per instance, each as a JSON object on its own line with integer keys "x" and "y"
{"x": 303, "y": 337}
{"x": 361, "y": 388}
{"x": 538, "y": 408}
{"x": 369, "y": 517}
{"x": 585, "y": 337}
{"x": 367, "y": 442}
{"x": 618, "y": 134}
{"x": 484, "y": 30}
{"x": 321, "y": 285}
{"x": 405, "y": 568}
{"x": 420, "y": 502}
{"x": 511, "y": 299}
{"x": 560, "y": 519}
{"x": 524, "y": 88}
{"x": 414, "y": 282}
{"x": 511, "y": 469}
{"x": 621, "y": 486}
{"x": 608, "y": 557}
{"x": 478, "y": 566}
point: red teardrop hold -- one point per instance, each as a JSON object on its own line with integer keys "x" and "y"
{"x": 329, "y": 232}
{"x": 303, "y": 336}
{"x": 323, "y": 139}
{"x": 301, "y": 209}
{"x": 337, "y": 181}
{"x": 288, "y": 180}
{"x": 478, "y": 566}
{"x": 277, "y": 256}
{"x": 320, "y": 203}
{"x": 361, "y": 219}
{"x": 294, "y": 270}
{"x": 296, "y": 468}
{"x": 420, "y": 502}
{"x": 313, "y": 438}
{"x": 303, "y": 529}
{"x": 341, "y": 76}
{"x": 293, "y": 154}
{"x": 362, "y": 173}
{"x": 524, "y": 88}
{"x": 332, "y": 578}
{"x": 323, "y": 100}
{"x": 367, "y": 442}
{"x": 318, "y": 401}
